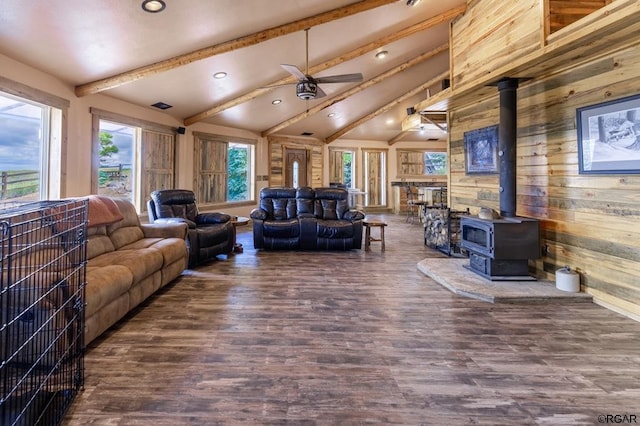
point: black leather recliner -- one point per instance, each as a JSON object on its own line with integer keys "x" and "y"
{"x": 306, "y": 219}
{"x": 210, "y": 233}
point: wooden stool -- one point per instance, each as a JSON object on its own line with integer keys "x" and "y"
{"x": 368, "y": 224}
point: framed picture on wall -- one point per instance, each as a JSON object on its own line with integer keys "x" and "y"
{"x": 609, "y": 137}
{"x": 481, "y": 150}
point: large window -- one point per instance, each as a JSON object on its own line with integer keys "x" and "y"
{"x": 31, "y": 126}
{"x": 224, "y": 169}
{"x": 117, "y": 171}
{"x": 131, "y": 157}
{"x": 421, "y": 163}
{"x": 342, "y": 162}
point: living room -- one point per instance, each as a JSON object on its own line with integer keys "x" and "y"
{"x": 587, "y": 216}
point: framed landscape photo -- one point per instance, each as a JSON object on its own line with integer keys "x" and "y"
{"x": 481, "y": 150}
{"x": 609, "y": 137}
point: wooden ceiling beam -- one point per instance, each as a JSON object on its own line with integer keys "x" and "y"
{"x": 386, "y": 107}
{"x": 397, "y": 137}
{"x": 360, "y": 87}
{"x": 227, "y": 46}
{"x": 362, "y": 50}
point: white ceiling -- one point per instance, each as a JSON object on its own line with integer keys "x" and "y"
{"x": 82, "y": 41}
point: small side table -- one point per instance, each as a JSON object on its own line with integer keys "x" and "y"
{"x": 238, "y": 221}
{"x": 368, "y": 224}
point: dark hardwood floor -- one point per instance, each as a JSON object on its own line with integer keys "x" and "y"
{"x": 354, "y": 338}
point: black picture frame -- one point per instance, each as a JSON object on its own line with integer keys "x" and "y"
{"x": 609, "y": 137}
{"x": 481, "y": 150}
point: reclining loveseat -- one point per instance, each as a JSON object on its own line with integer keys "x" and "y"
{"x": 306, "y": 219}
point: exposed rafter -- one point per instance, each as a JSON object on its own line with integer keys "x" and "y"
{"x": 344, "y": 95}
{"x": 227, "y": 46}
{"x": 397, "y": 137}
{"x": 387, "y": 107}
{"x": 362, "y": 50}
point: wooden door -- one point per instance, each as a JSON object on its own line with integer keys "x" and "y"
{"x": 295, "y": 175}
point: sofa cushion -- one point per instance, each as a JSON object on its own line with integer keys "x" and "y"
{"x": 104, "y": 284}
{"x": 334, "y": 229}
{"x": 172, "y": 249}
{"x": 281, "y": 228}
{"x": 279, "y": 203}
{"x": 141, "y": 262}
{"x": 326, "y": 209}
{"x": 98, "y": 242}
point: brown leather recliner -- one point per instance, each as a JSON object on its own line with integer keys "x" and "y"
{"x": 209, "y": 234}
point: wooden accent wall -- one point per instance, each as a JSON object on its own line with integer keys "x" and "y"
{"x": 589, "y": 222}
{"x": 277, "y": 144}
{"x": 483, "y": 39}
{"x": 565, "y": 12}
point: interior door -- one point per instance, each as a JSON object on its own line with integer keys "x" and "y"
{"x": 295, "y": 175}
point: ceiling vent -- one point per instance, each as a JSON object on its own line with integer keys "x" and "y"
{"x": 161, "y": 105}
{"x": 306, "y": 134}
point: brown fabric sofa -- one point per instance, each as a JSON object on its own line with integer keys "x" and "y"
{"x": 127, "y": 262}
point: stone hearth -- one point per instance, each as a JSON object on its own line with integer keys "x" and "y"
{"x": 451, "y": 274}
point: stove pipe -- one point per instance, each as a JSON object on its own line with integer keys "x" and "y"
{"x": 507, "y": 132}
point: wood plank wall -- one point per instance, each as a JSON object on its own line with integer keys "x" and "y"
{"x": 589, "y": 222}
{"x": 484, "y": 39}
{"x": 565, "y": 12}
{"x": 277, "y": 145}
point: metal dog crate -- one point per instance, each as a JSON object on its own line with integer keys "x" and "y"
{"x": 42, "y": 283}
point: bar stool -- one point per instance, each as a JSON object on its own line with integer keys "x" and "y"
{"x": 411, "y": 204}
{"x": 368, "y": 224}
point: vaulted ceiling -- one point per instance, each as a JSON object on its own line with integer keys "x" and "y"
{"x": 117, "y": 49}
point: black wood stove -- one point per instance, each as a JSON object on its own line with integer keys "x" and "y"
{"x": 500, "y": 249}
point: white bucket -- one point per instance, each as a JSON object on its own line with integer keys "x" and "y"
{"x": 567, "y": 280}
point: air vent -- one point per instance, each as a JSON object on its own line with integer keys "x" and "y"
{"x": 161, "y": 105}
{"x": 432, "y": 139}
{"x": 306, "y": 134}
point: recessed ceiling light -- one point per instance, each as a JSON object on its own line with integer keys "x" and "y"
{"x": 331, "y": 114}
{"x": 412, "y": 2}
{"x": 153, "y": 6}
{"x": 276, "y": 101}
{"x": 381, "y": 54}
{"x": 390, "y": 121}
{"x": 220, "y": 75}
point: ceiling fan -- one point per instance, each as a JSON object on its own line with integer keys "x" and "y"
{"x": 307, "y": 86}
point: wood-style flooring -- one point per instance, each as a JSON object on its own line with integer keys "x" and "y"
{"x": 354, "y": 338}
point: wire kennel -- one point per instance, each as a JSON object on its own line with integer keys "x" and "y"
{"x": 42, "y": 283}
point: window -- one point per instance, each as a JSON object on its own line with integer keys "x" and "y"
{"x": 418, "y": 163}
{"x": 375, "y": 176}
{"x": 31, "y": 126}
{"x": 131, "y": 157}
{"x": 116, "y": 174}
{"x": 342, "y": 166}
{"x": 224, "y": 169}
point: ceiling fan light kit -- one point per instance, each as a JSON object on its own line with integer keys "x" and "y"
{"x": 307, "y": 86}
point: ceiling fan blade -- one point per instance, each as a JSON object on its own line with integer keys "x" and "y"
{"x": 342, "y": 78}
{"x": 294, "y": 71}
{"x": 320, "y": 93}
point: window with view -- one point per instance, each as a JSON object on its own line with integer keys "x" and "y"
{"x": 131, "y": 157}
{"x": 224, "y": 169}
{"x": 417, "y": 163}
{"x": 342, "y": 166}
{"x": 116, "y": 174}
{"x": 29, "y": 132}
